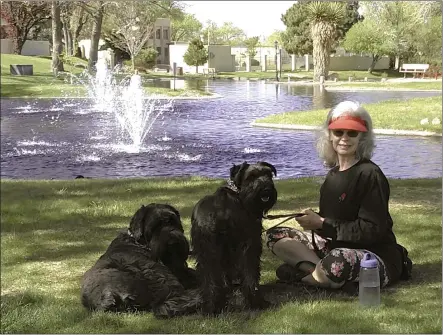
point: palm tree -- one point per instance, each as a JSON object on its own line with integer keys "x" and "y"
{"x": 324, "y": 17}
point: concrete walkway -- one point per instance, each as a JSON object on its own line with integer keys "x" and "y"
{"x": 376, "y": 131}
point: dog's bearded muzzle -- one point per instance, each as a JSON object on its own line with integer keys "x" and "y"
{"x": 268, "y": 195}
{"x": 264, "y": 198}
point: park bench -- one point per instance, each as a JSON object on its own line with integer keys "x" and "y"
{"x": 160, "y": 70}
{"x": 414, "y": 68}
{"x": 21, "y": 70}
{"x": 209, "y": 71}
{"x": 295, "y": 75}
{"x": 165, "y": 68}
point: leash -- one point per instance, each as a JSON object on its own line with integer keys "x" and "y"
{"x": 289, "y": 217}
{"x": 230, "y": 185}
{"x": 279, "y": 216}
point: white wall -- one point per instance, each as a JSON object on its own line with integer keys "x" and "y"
{"x": 222, "y": 61}
{"x": 30, "y": 48}
{"x": 269, "y": 51}
{"x": 220, "y": 58}
{"x": 357, "y": 63}
{"x": 176, "y": 53}
{"x": 346, "y": 63}
{"x": 85, "y": 46}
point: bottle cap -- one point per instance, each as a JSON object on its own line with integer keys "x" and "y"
{"x": 369, "y": 261}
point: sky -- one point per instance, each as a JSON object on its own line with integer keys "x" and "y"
{"x": 256, "y": 18}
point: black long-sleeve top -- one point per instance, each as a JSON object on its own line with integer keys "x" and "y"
{"x": 354, "y": 205}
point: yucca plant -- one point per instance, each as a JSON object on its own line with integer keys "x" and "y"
{"x": 324, "y": 17}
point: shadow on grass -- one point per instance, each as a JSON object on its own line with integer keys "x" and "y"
{"x": 70, "y": 222}
{"x": 15, "y": 305}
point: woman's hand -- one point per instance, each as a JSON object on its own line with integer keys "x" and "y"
{"x": 310, "y": 221}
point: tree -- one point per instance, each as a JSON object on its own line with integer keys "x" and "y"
{"x": 196, "y": 54}
{"x": 73, "y": 17}
{"x": 324, "y": 17}
{"x": 366, "y": 37}
{"x": 251, "y": 45}
{"x": 227, "y": 34}
{"x": 230, "y": 34}
{"x": 57, "y": 45}
{"x": 297, "y": 37}
{"x": 133, "y": 23}
{"x": 427, "y": 41}
{"x": 277, "y": 35}
{"x": 21, "y": 17}
{"x": 399, "y": 20}
{"x": 96, "y": 10}
{"x": 185, "y": 28}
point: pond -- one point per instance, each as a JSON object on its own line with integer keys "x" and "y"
{"x": 62, "y": 138}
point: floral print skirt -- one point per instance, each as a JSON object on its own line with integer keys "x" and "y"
{"x": 339, "y": 264}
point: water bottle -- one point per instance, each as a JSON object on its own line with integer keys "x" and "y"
{"x": 369, "y": 282}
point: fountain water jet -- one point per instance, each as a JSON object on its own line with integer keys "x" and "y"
{"x": 135, "y": 111}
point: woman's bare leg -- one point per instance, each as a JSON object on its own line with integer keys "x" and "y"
{"x": 293, "y": 252}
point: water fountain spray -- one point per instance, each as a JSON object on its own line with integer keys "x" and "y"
{"x": 134, "y": 110}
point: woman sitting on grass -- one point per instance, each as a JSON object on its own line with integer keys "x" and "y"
{"x": 354, "y": 213}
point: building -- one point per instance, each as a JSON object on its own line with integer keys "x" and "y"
{"x": 159, "y": 40}
{"x": 220, "y": 58}
{"x": 30, "y": 48}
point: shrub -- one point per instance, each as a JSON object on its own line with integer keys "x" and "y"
{"x": 146, "y": 58}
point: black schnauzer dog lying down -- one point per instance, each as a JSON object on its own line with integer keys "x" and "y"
{"x": 226, "y": 236}
{"x": 144, "y": 268}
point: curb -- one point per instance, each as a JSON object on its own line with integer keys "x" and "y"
{"x": 356, "y": 89}
{"x": 376, "y": 131}
{"x": 153, "y": 96}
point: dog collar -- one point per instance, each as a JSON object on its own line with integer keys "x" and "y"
{"x": 232, "y": 186}
{"x": 143, "y": 246}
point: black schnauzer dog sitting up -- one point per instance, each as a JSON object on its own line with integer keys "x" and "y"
{"x": 226, "y": 236}
{"x": 144, "y": 268}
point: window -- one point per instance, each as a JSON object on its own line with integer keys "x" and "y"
{"x": 165, "y": 34}
{"x": 159, "y": 51}
{"x": 159, "y": 61}
{"x": 166, "y": 52}
{"x": 158, "y": 33}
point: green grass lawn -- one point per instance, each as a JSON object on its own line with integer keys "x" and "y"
{"x": 44, "y": 85}
{"x": 53, "y": 231}
{"x": 391, "y": 114}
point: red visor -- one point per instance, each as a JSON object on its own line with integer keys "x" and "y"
{"x": 348, "y": 122}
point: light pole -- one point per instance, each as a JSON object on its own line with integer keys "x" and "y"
{"x": 209, "y": 26}
{"x": 276, "y": 68}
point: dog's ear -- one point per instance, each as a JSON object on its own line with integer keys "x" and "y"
{"x": 137, "y": 222}
{"x": 272, "y": 167}
{"x": 237, "y": 172}
{"x": 176, "y": 212}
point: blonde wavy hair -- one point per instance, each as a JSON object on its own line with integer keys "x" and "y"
{"x": 366, "y": 144}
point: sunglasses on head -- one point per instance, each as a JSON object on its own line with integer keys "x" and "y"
{"x": 340, "y": 133}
